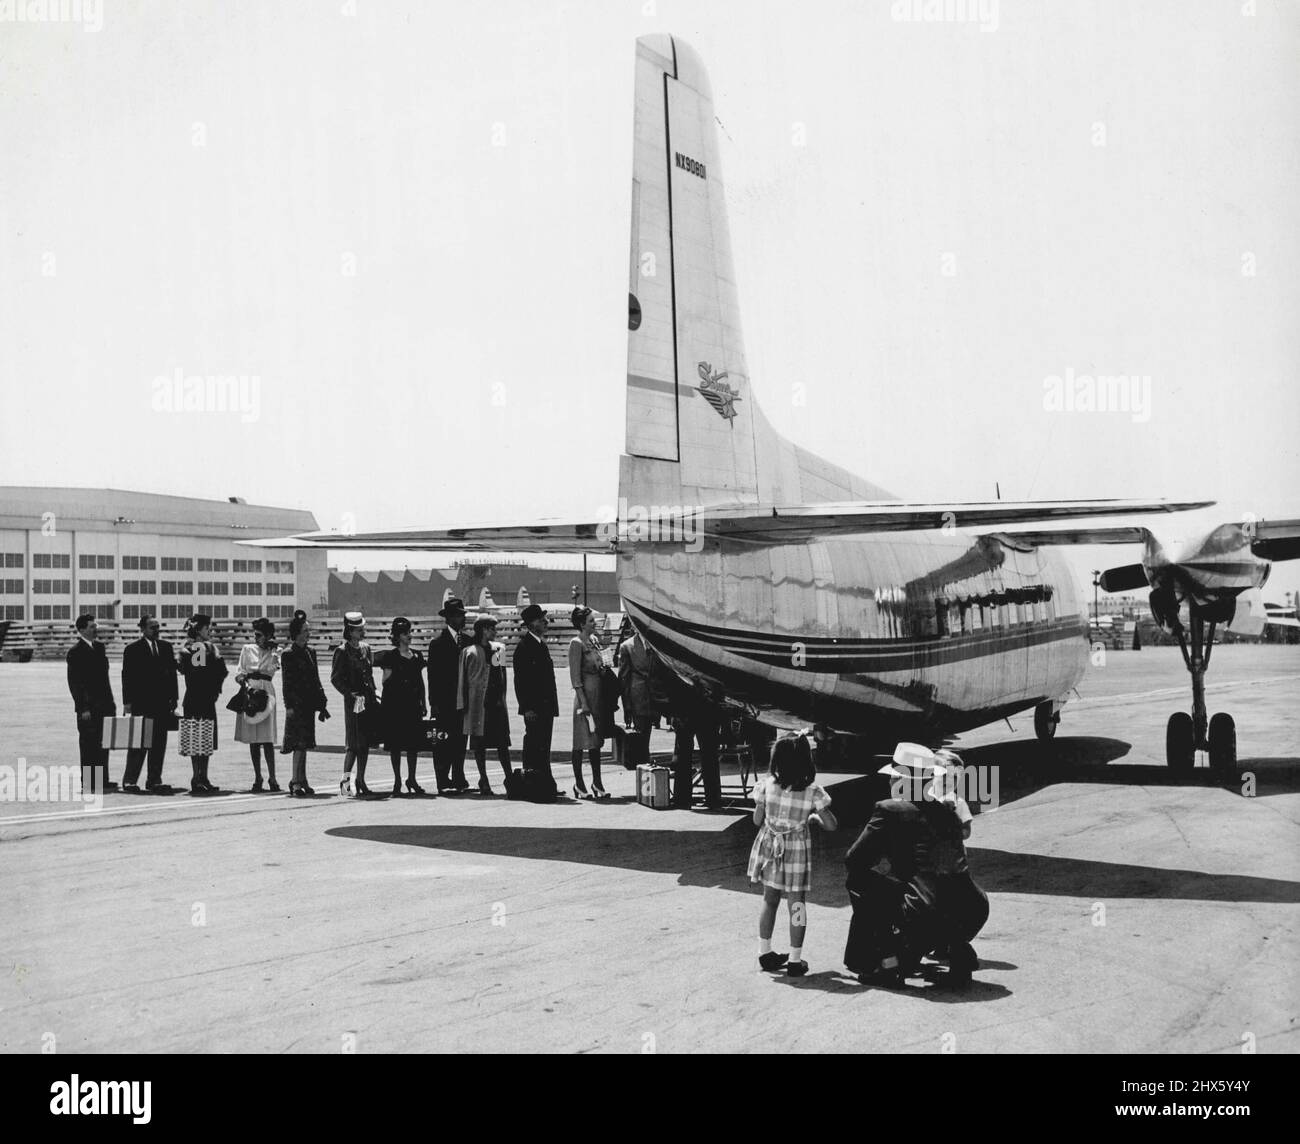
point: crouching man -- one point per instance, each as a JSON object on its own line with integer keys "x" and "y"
{"x": 909, "y": 881}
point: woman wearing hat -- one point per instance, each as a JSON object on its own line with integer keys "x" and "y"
{"x": 481, "y": 697}
{"x": 353, "y": 677}
{"x": 403, "y": 704}
{"x": 304, "y": 697}
{"x": 204, "y": 671}
{"x": 586, "y": 666}
{"x": 258, "y": 663}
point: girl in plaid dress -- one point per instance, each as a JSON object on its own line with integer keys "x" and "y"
{"x": 785, "y": 802}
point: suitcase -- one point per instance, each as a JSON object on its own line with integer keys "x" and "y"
{"x": 126, "y": 732}
{"x": 531, "y": 786}
{"x": 652, "y": 786}
{"x": 630, "y": 747}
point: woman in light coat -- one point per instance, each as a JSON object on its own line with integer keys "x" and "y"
{"x": 481, "y": 698}
{"x": 258, "y": 663}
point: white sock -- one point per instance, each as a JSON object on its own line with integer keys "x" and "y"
{"x": 764, "y": 946}
{"x": 796, "y": 953}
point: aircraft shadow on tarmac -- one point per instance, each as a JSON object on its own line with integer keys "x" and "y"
{"x": 718, "y": 860}
{"x": 1025, "y": 767}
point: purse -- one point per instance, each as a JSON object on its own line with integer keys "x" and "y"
{"x": 255, "y": 702}
{"x": 239, "y": 701}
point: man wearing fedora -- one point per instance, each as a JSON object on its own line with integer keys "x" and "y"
{"x": 92, "y": 695}
{"x": 444, "y": 673}
{"x": 909, "y": 881}
{"x": 535, "y": 690}
{"x": 149, "y": 688}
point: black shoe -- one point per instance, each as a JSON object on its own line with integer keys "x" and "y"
{"x": 109, "y": 787}
{"x": 256, "y": 788}
{"x": 196, "y": 788}
{"x": 462, "y": 787}
{"x": 598, "y": 792}
{"x": 273, "y": 786}
{"x": 485, "y": 788}
{"x": 414, "y": 787}
{"x": 772, "y": 962}
{"x": 796, "y": 968}
{"x": 207, "y": 786}
{"x": 130, "y": 788}
{"x": 962, "y": 963}
{"x": 158, "y": 788}
{"x": 359, "y": 785}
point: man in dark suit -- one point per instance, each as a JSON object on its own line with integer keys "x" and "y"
{"x": 909, "y": 880}
{"x": 149, "y": 689}
{"x": 444, "y": 673}
{"x": 92, "y": 696}
{"x": 539, "y": 703}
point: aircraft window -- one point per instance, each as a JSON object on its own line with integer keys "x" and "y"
{"x": 633, "y": 312}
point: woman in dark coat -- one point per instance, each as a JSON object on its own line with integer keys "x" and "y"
{"x": 353, "y": 677}
{"x": 403, "y": 705}
{"x": 204, "y": 671}
{"x": 303, "y": 698}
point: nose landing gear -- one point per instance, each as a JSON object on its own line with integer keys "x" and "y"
{"x": 1186, "y": 734}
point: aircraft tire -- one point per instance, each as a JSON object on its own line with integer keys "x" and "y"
{"x": 1045, "y": 722}
{"x": 1223, "y": 747}
{"x": 1180, "y": 743}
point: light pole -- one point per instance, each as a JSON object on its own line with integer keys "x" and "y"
{"x": 1096, "y": 611}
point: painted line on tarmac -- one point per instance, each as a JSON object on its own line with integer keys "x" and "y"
{"x": 56, "y": 815}
{"x": 1102, "y": 700}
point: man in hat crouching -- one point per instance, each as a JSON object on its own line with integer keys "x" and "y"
{"x": 909, "y": 881}
{"x": 444, "y": 672}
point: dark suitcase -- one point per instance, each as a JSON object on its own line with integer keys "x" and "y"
{"x": 531, "y": 786}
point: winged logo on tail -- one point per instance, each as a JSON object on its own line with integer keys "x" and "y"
{"x": 717, "y": 392}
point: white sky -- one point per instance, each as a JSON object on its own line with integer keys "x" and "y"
{"x": 331, "y": 130}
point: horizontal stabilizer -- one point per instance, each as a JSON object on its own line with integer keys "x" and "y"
{"x": 542, "y": 536}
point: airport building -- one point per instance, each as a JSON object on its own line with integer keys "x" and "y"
{"x": 117, "y": 555}
{"x": 420, "y": 592}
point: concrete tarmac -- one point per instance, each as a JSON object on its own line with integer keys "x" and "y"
{"x": 1130, "y": 911}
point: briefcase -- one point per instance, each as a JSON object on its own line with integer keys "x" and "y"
{"x": 126, "y": 732}
{"x": 652, "y": 786}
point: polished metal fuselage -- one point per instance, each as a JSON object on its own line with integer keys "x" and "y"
{"x": 903, "y": 635}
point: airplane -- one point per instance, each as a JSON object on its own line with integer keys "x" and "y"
{"x": 784, "y": 587}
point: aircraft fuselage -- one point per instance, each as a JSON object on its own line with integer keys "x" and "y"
{"x": 911, "y": 635}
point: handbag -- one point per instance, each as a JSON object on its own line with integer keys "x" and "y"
{"x": 239, "y": 701}
{"x": 255, "y": 702}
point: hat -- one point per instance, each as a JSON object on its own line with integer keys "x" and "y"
{"x": 354, "y": 620}
{"x": 453, "y": 605}
{"x": 911, "y": 761}
{"x": 298, "y": 622}
{"x": 532, "y": 612}
{"x": 400, "y": 624}
{"x": 483, "y": 623}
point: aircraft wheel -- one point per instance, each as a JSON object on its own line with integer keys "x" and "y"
{"x": 1223, "y": 747}
{"x": 1180, "y": 743}
{"x": 1045, "y": 721}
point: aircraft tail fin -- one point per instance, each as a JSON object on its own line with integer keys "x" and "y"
{"x": 695, "y": 432}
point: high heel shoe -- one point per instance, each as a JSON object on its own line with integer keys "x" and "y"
{"x": 485, "y": 787}
{"x": 273, "y": 786}
{"x": 413, "y": 787}
{"x": 256, "y": 788}
{"x": 598, "y": 791}
{"x": 294, "y": 789}
{"x": 359, "y": 785}
{"x": 305, "y": 790}
{"x": 397, "y": 788}
{"x": 581, "y": 793}
{"x": 343, "y": 786}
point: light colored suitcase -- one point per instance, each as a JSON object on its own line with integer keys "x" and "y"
{"x": 126, "y": 732}
{"x": 652, "y": 786}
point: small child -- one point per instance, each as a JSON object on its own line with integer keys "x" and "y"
{"x": 785, "y": 802}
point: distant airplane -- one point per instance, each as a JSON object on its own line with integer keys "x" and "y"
{"x": 784, "y": 587}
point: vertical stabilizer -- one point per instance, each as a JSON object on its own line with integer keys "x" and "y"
{"x": 695, "y": 433}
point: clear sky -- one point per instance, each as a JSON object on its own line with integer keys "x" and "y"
{"x": 409, "y": 222}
